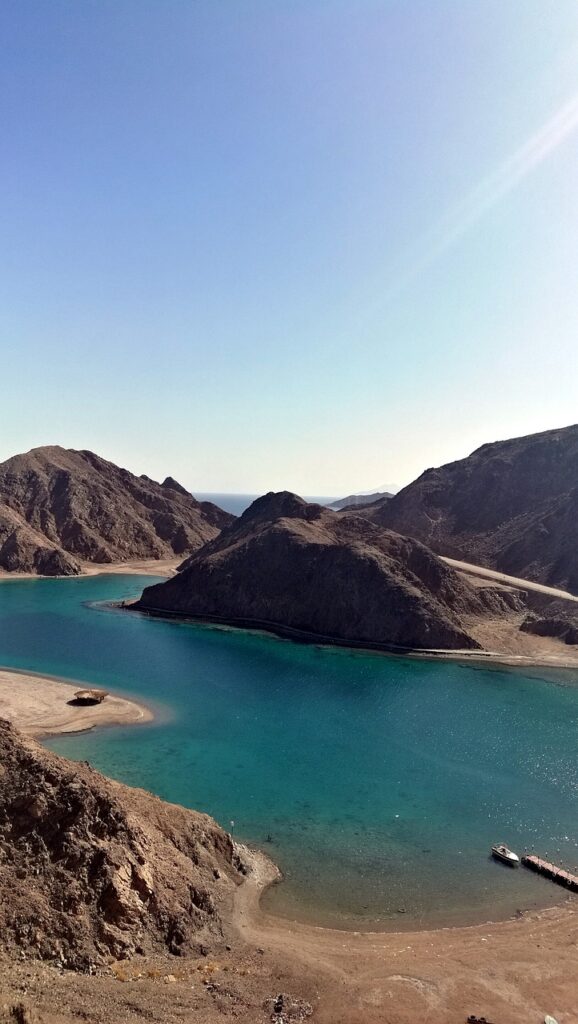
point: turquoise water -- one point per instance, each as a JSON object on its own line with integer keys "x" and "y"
{"x": 381, "y": 781}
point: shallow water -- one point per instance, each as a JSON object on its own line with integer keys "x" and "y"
{"x": 382, "y": 782}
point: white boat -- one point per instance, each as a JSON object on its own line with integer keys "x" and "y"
{"x": 501, "y": 852}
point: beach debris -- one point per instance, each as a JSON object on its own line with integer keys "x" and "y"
{"x": 550, "y": 1020}
{"x": 285, "y": 1009}
{"x": 472, "y": 1019}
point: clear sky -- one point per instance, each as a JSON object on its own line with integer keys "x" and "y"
{"x": 307, "y": 244}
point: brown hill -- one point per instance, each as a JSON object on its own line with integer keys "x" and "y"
{"x": 291, "y": 566}
{"x": 512, "y": 505}
{"x": 90, "y": 868}
{"x": 59, "y": 507}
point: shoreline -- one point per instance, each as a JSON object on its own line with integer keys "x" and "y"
{"x": 363, "y": 977}
{"x": 137, "y": 567}
{"x": 265, "y": 875}
{"x": 39, "y": 706}
{"x": 465, "y": 657}
{"x": 444, "y": 971}
{"x": 555, "y": 654}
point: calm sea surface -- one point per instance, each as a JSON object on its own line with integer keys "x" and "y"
{"x": 382, "y": 782}
{"x": 237, "y": 503}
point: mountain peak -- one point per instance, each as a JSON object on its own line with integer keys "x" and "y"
{"x": 510, "y": 505}
{"x": 277, "y": 505}
{"x": 60, "y": 507}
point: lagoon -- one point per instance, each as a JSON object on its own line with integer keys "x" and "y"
{"x": 380, "y": 782}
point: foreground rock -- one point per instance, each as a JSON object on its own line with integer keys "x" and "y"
{"x": 512, "y": 506}
{"x": 59, "y": 508}
{"x": 90, "y": 869}
{"x": 290, "y": 565}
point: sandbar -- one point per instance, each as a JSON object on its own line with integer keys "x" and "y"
{"x": 41, "y": 706}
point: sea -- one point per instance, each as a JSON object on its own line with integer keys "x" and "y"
{"x": 237, "y": 503}
{"x": 376, "y": 783}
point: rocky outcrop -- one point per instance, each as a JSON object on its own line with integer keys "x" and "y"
{"x": 91, "y": 869}
{"x": 59, "y": 508}
{"x": 23, "y": 550}
{"x": 512, "y": 506}
{"x": 288, "y": 565}
{"x": 561, "y": 625}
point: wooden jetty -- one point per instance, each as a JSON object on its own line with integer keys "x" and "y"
{"x": 558, "y": 875}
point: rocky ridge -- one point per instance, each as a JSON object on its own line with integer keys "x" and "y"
{"x": 91, "y": 869}
{"x": 300, "y": 568}
{"x": 60, "y": 508}
{"x": 511, "y": 506}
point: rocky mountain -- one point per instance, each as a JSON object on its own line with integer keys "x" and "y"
{"x": 359, "y": 500}
{"x": 300, "y": 568}
{"x": 91, "y": 869}
{"x": 512, "y": 506}
{"x": 60, "y": 507}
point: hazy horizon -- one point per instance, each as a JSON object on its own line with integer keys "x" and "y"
{"x": 300, "y": 245}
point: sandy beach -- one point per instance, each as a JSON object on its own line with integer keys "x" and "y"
{"x": 513, "y": 972}
{"x": 41, "y": 706}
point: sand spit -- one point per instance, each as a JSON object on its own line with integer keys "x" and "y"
{"x": 42, "y": 706}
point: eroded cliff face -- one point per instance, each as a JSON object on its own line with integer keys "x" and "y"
{"x": 512, "y": 505}
{"x": 59, "y": 508}
{"x": 91, "y": 869}
{"x": 295, "y": 565}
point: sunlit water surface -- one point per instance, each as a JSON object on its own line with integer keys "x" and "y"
{"x": 381, "y": 782}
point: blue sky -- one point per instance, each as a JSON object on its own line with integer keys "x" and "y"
{"x": 287, "y": 243}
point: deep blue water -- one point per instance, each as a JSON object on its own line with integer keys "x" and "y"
{"x": 381, "y": 781}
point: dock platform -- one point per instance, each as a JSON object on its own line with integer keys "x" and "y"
{"x": 558, "y": 875}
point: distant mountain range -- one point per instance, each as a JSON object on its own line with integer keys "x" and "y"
{"x": 511, "y": 505}
{"x": 304, "y": 570}
{"x": 369, "y": 573}
{"x": 60, "y": 508}
{"x": 359, "y": 500}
